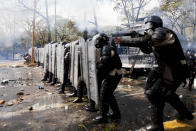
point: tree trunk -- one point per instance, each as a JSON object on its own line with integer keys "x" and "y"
{"x": 126, "y": 13}
{"x": 194, "y": 33}
{"x": 55, "y": 30}
{"x": 47, "y": 21}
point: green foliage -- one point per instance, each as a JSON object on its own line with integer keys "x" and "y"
{"x": 181, "y": 14}
{"x": 67, "y": 31}
{"x": 170, "y": 5}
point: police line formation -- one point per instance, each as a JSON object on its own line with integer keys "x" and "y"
{"x": 95, "y": 64}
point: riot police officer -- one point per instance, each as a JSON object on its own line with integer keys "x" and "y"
{"x": 109, "y": 75}
{"x": 171, "y": 72}
{"x": 67, "y": 61}
{"x": 46, "y": 64}
{"x": 191, "y": 60}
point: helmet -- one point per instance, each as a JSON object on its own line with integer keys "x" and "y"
{"x": 101, "y": 40}
{"x": 153, "y": 22}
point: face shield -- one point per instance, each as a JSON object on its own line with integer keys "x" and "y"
{"x": 97, "y": 41}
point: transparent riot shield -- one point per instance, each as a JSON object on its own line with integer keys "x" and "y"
{"x": 46, "y": 58}
{"x": 74, "y": 63}
{"x": 61, "y": 73}
{"x": 92, "y": 72}
{"x": 53, "y": 58}
{"x": 50, "y": 58}
{"x": 89, "y": 73}
{"x": 41, "y": 55}
{"x": 58, "y": 60}
{"x": 76, "y": 66}
{"x": 36, "y": 54}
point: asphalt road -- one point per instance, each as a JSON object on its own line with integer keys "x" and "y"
{"x": 28, "y": 108}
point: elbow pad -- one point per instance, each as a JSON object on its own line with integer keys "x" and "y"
{"x": 163, "y": 36}
{"x": 159, "y": 35}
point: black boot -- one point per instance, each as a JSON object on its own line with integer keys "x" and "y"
{"x": 114, "y": 116}
{"x": 62, "y": 89}
{"x": 156, "y": 118}
{"x": 100, "y": 119}
{"x": 154, "y": 128}
{"x": 78, "y": 100}
{"x": 73, "y": 94}
{"x": 91, "y": 107}
{"x": 182, "y": 117}
{"x": 46, "y": 75}
{"x": 115, "y": 109}
{"x": 79, "y": 92}
{"x": 53, "y": 81}
{"x": 44, "y": 79}
{"x": 50, "y": 78}
{"x": 183, "y": 112}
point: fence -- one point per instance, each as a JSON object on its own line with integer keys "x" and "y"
{"x": 132, "y": 55}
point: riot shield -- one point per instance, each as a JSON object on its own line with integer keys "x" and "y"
{"x": 46, "y": 58}
{"x": 92, "y": 72}
{"x": 74, "y": 63}
{"x": 88, "y": 60}
{"x": 53, "y": 57}
{"x": 50, "y": 58}
{"x": 36, "y": 54}
{"x": 41, "y": 55}
{"x": 58, "y": 60}
{"x": 61, "y": 61}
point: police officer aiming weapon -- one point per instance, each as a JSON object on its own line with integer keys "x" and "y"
{"x": 171, "y": 72}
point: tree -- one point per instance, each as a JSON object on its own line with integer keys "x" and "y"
{"x": 181, "y": 15}
{"x": 67, "y": 31}
{"x": 40, "y": 33}
{"x": 45, "y": 17}
{"x": 131, "y": 9}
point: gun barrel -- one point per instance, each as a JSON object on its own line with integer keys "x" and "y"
{"x": 122, "y": 33}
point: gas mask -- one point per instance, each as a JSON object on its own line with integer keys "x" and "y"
{"x": 149, "y": 28}
{"x": 101, "y": 40}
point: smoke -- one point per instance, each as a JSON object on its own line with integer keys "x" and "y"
{"x": 11, "y": 22}
{"x": 84, "y": 12}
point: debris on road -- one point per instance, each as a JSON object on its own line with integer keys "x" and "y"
{"x": 40, "y": 87}
{"x": 5, "y": 82}
{"x": 10, "y": 104}
{"x": 66, "y": 107}
{"x": 2, "y": 101}
{"x": 53, "y": 124}
{"x": 49, "y": 93}
{"x": 4, "y": 125}
{"x": 22, "y": 90}
{"x": 20, "y": 93}
{"x": 15, "y": 66}
{"x": 19, "y": 100}
{"x": 30, "y": 108}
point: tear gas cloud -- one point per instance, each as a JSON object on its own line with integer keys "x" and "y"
{"x": 83, "y": 12}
